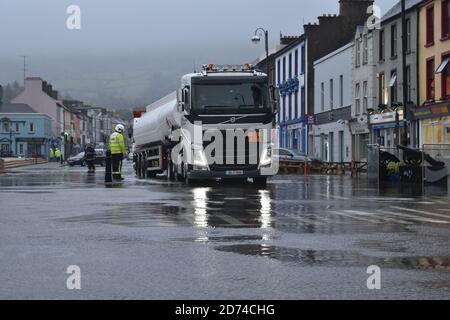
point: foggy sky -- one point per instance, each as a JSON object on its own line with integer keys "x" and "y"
{"x": 135, "y": 36}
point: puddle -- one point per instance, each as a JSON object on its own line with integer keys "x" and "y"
{"x": 310, "y": 258}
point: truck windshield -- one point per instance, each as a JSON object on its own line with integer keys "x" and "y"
{"x": 230, "y": 98}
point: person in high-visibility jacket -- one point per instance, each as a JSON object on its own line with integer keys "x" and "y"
{"x": 57, "y": 154}
{"x": 51, "y": 155}
{"x": 118, "y": 151}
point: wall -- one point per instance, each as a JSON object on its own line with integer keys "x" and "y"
{"x": 333, "y": 66}
{"x": 39, "y": 101}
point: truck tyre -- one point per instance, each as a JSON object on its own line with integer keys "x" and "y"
{"x": 171, "y": 171}
{"x": 186, "y": 179}
{"x": 260, "y": 181}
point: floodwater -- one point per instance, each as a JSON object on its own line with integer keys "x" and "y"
{"x": 298, "y": 238}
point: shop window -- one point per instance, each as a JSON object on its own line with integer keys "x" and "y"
{"x": 278, "y": 71}
{"x": 394, "y": 41}
{"x": 365, "y": 97}
{"x": 358, "y": 53}
{"x": 303, "y": 61}
{"x": 443, "y": 69}
{"x": 430, "y": 26}
{"x": 393, "y": 86}
{"x": 382, "y": 45}
{"x": 357, "y": 101}
{"x": 408, "y": 35}
{"x": 381, "y": 88}
{"x": 5, "y": 126}
{"x": 290, "y": 65}
{"x": 331, "y": 93}
{"x": 365, "y": 50}
{"x": 430, "y": 79}
{"x": 445, "y": 11}
{"x": 408, "y": 82}
{"x": 322, "y": 96}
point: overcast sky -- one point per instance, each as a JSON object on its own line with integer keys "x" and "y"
{"x": 39, "y": 26}
{"x": 185, "y": 30}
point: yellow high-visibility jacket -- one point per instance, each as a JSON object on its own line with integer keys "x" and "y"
{"x": 51, "y": 153}
{"x": 57, "y": 153}
{"x": 117, "y": 143}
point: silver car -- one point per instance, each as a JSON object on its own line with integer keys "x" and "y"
{"x": 291, "y": 154}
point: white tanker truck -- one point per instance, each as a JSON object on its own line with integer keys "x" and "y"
{"x": 218, "y": 125}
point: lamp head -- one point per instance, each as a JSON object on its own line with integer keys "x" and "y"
{"x": 256, "y": 39}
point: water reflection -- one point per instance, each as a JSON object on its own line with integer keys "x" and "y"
{"x": 231, "y": 207}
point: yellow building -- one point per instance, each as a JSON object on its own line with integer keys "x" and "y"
{"x": 434, "y": 72}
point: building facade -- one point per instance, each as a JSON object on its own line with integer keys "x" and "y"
{"x": 331, "y": 33}
{"x": 24, "y": 132}
{"x": 332, "y": 108}
{"x": 434, "y": 73}
{"x": 388, "y": 126}
{"x": 363, "y": 90}
{"x": 290, "y": 73}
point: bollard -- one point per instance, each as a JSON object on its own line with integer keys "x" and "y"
{"x": 108, "y": 167}
{"x": 305, "y": 168}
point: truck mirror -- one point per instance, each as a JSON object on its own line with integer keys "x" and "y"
{"x": 180, "y": 105}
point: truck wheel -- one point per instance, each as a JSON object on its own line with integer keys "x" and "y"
{"x": 171, "y": 171}
{"x": 261, "y": 181}
{"x": 186, "y": 179}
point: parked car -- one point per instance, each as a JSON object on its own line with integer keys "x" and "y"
{"x": 80, "y": 160}
{"x": 291, "y": 154}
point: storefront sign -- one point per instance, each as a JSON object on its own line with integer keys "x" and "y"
{"x": 358, "y": 128}
{"x": 386, "y": 117}
{"x": 294, "y": 126}
{"x": 434, "y": 111}
{"x": 310, "y": 119}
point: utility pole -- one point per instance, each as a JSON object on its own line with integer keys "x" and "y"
{"x": 24, "y": 69}
{"x": 404, "y": 72}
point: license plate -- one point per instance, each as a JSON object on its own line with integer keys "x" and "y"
{"x": 234, "y": 172}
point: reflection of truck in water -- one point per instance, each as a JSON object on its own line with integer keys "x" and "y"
{"x": 217, "y": 125}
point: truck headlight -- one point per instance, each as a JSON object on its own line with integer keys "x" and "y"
{"x": 266, "y": 157}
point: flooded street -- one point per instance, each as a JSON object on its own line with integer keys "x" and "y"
{"x": 298, "y": 238}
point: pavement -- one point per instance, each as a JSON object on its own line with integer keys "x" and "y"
{"x": 299, "y": 238}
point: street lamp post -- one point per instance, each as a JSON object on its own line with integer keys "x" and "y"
{"x": 404, "y": 71}
{"x": 257, "y": 38}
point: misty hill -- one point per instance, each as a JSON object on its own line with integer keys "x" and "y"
{"x": 119, "y": 80}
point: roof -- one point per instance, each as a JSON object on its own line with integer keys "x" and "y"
{"x": 15, "y": 108}
{"x": 291, "y": 45}
{"x": 396, "y": 9}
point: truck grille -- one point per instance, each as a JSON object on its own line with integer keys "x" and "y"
{"x": 244, "y": 158}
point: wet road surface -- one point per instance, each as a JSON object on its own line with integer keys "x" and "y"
{"x": 298, "y": 238}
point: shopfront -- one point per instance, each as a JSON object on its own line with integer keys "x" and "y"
{"x": 360, "y": 140}
{"x": 434, "y": 123}
{"x": 387, "y": 128}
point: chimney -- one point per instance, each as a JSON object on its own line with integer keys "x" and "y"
{"x": 352, "y": 8}
{"x": 44, "y": 86}
{"x": 54, "y": 94}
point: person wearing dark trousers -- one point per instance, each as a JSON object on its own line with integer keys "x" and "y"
{"x": 117, "y": 147}
{"x": 89, "y": 155}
